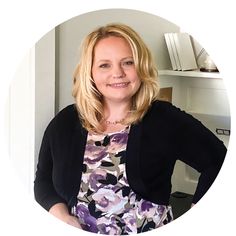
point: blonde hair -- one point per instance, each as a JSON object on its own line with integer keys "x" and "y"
{"x": 87, "y": 97}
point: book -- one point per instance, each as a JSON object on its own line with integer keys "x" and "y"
{"x": 175, "y": 52}
{"x": 170, "y": 51}
{"x": 181, "y": 52}
{"x": 185, "y": 51}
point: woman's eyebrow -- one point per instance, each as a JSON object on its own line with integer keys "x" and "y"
{"x": 107, "y": 60}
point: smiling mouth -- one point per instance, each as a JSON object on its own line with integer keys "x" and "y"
{"x": 119, "y": 85}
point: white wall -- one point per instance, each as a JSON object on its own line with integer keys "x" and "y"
{"x": 71, "y": 33}
{"x": 30, "y": 107}
{"x": 44, "y": 86}
{"x": 21, "y": 121}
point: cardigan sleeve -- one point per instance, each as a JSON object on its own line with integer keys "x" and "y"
{"x": 199, "y": 148}
{"x": 44, "y": 191}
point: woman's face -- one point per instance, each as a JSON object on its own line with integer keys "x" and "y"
{"x": 114, "y": 71}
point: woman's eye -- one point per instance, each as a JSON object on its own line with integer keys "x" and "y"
{"x": 105, "y": 65}
{"x": 128, "y": 63}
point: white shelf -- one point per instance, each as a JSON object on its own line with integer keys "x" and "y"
{"x": 196, "y": 74}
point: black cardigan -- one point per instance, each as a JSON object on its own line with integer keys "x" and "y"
{"x": 164, "y": 135}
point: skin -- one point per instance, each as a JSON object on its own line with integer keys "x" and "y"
{"x": 115, "y": 76}
{"x": 60, "y": 211}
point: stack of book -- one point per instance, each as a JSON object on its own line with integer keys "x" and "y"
{"x": 181, "y": 52}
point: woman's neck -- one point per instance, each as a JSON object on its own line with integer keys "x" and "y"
{"x": 116, "y": 111}
{"x": 114, "y": 115}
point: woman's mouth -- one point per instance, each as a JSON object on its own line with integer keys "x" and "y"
{"x": 118, "y": 85}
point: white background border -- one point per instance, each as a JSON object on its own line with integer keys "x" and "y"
{"x": 210, "y": 22}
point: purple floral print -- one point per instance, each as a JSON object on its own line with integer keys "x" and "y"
{"x": 106, "y": 203}
{"x": 89, "y": 221}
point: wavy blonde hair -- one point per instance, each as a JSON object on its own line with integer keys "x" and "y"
{"x": 89, "y": 100}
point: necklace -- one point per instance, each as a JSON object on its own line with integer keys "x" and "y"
{"x": 108, "y": 122}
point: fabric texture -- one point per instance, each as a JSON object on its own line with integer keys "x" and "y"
{"x": 106, "y": 203}
{"x": 165, "y": 134}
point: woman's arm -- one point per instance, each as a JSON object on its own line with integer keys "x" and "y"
{"x": 44, "y": 191}
{"x": 199, "y": 148}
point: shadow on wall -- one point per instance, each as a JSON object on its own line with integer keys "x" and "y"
{"x": 180, "y": 202}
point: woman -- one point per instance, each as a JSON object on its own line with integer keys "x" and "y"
{"x": 105, "y": 163}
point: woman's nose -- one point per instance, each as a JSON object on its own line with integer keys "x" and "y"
{"x": 118, "y": 72}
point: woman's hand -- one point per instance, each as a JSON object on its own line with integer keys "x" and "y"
{"x": 72, "y": 220}
{"x": 60, "y": 211}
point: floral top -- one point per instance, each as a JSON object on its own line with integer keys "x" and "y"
{"x": 106, "y": 203}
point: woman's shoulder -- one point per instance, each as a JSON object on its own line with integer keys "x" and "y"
{"x": 66, "y": 118}
{"x": 167, "y": 111}
{"x": 68, "y": 113}
{"x": 163, "y": 106}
